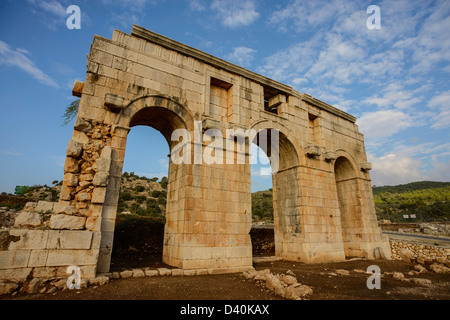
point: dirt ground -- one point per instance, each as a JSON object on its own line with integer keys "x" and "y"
{"x": 133, "y": 250}
{"x": 326, "y": 285}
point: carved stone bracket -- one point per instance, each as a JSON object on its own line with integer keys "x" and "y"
{"x": 114, "y": 102}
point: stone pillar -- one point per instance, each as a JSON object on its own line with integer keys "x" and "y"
{"x": 111, "y": 163}
{"x": 208, "y": 217}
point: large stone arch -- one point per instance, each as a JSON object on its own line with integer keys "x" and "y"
{"x": 164, "y": 115}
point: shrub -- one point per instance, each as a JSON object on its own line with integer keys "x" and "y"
{"x": 139, "y": 188}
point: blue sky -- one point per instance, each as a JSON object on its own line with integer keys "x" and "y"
{"x": 394, "y": 79}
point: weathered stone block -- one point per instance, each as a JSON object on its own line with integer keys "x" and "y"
{"x": 38, "y": 258}
{"x": 82, "y": 125}
{"x": 45, "y": 206}
{"x": 77, "y": 88}
{"x": 14, "y": 259}
{"x": 114, "y": 102}
{"x": 28, "y": 219}
{"x": 65, "y": 193}
{"x": 71, "y": 165}
{"x": 62, "y": 221}
{"x": 68, "y": 239}
{"x": 16, "y": 274}
{"x": 83, "y": 197}
{"x": 63, "y": 208}
{"x": 71, "y": 257}
{"x": 101, "y": 179}
{"x": 28, "y": 239}
{"x": 70, "y": 180}
{"x": 99, "y": 195}
{"x": 151, "y": 273}
{"x": 102, "y": 165}
{"x": 74, "y": 149}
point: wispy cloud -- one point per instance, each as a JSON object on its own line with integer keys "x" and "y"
{"x": 11, "y": 152}
{"x": 130, "y": 11}
{"x": 51, "y": 13}
{"x": 19, "y": 58}
{"x": 235, "y": 13}
{"x": 243, "y": 56}
{"x": 441, "y": 102}
{"x": 393, "y": 169}
{"x": 383, "y": 123}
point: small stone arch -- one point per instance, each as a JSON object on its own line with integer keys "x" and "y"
{"x": 286, "y": 189}
{"x": 349, "y": 202}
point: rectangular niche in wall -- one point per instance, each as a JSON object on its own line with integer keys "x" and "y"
{"x": 220, "y": 99}
{"x": 274, "y": 101}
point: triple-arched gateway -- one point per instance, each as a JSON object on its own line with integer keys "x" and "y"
{"x": 323, "y": 204}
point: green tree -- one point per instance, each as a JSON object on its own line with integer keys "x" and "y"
{"x": 71, "y": 111}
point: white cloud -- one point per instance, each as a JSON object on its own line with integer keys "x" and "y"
{"x": 197, "y": 5}
{"x": 243, "y": 56}
{"x": 394, "y": 169}
{"x": 17, "y": 58}
{"x": 395, "y": 96}
{"x": 235, "y": 13}
{"x": 51, "y": 13}
{"x": 442, "y": 103}
{"x": 52, "y": 6}
{"x": 439, "y": 172}
{"x": 384, "y": 123}
{"x": 301, "y": 15}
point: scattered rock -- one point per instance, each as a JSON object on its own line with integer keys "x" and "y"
{"x": 164, "y": 271}
{"x": 8, "y": 287}
{"x": 342, "y": 272}
{"x": 439, "y": 268}
{"x": 407, "y": 255}
{"x": 420, "y": 268}
{"x": 126, "y": 274}
{"x": 420, "y": 281}
{"x": 151, "y": 273}
{"x": 359, "y": 271}
{"x": 138, "y": 273}
{"x": 287, "y": 279}
{"x": 99, "y": 281}
{"x": 249, "y": 274}
{"x": 290, "y": 272}
{"x": 302, "y": 291}
{"x": 398, "y": 276}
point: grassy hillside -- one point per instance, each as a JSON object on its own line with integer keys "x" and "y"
{"x": 262, "y": 205}
{"x": 428, "y": 200}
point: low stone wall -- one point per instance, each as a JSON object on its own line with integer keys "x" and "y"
{"x": 43, "y": 240}
{"x": 420, "y": 253}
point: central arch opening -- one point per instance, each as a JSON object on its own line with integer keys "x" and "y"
{"x": 274, "y": 146}
{"x": 144, "y": 192}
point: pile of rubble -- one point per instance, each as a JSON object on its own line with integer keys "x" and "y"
{"x": 284, "y": 285}
{"x": 420, "y": 253}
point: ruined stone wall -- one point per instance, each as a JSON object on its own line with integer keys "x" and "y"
{"x": 44, "y": 240}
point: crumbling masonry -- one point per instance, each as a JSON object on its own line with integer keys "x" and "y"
{"x": 323, "y": 204}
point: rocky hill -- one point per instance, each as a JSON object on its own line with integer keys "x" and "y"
{"x": 426, "y": 200}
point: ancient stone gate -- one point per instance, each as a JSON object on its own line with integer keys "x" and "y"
{"x": 323, "y": 204}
